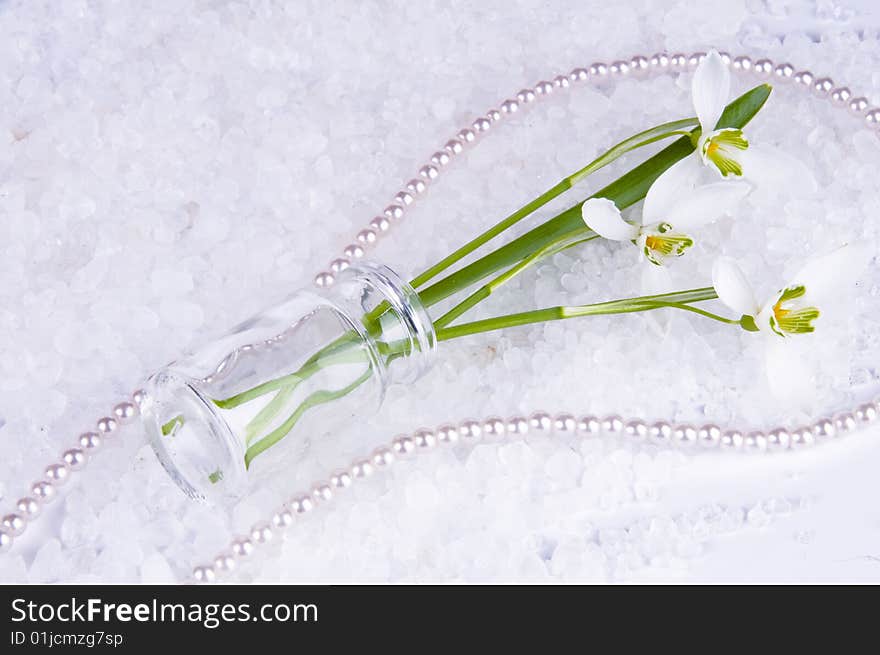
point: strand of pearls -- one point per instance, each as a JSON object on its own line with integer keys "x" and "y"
{"x": 706, "y": 437}
{"x": 56, "y": 474}
{"x": 45, "y": 490}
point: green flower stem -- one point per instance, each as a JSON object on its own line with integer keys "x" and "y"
{"x": 624, "y": 192}
{"x": 677, "y": 300}
{"x": 575, "y": 238}
{"x": 658, "y": 133}
{"x": 317, "y": 398}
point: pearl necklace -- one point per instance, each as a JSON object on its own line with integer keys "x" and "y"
{"x": 709, "y": 436}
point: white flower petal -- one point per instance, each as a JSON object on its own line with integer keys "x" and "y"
{"x": 733, "y": 287}
{"x": 771, "y": 167}
{"x": 829, "y": 277}
{"x": 710, "y": 90}
{"x": 604, "y": 218}
{"x": 674, "y": 183}
{"x": 656, "y": 280}
{"x": 788, "y": 373}
{"x": 705, "y": 204}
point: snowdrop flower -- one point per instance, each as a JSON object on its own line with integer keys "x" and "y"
{"x": 673, "y": 208}
{"x": 793, "y": 310}
{"x": 728, "y": 151}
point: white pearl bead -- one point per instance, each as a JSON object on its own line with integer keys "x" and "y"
{"x": 517, "y": 426}
{"x": 441, "y": 158}
{"x": 618, "y": 68}
{"x": 804, "y": 78}
{"x": 241, "y": 547}
{"x": 565, "y": 423}
{"x": 224, "y": 563}
{"x": 416, "y": 186}
{"x": 493, "y": 115}
{"x": 6, "y": 540}
{"x": 678, "y": 61}
{"x": 481, "y": 125}
{"x": 304, "y": 504}
{"x": 709, "y": 436}
{"x": 447, "y": 434}
{"x": 823, "y": 429}
{"x": 635, "y": 429}
{"x": 544, "y": 88}
{"x": 261, "y": 533}
{"x": 322, "y": 492}
{"x": 382, "y": 457}
{"x": 742, "y": 63}
{"x": 107, "y": 425}
{"x": 841, "y": 96}
{"x": 778, "y": 439}
{"x": 324, "y": 279}
{"x": 823, "y": 86}
{"x": 125, "y": 412}
{"x": 429, "y": 172}
{"x": 844, "y": 422}
{"x": 731, "y": 440}
{"x": 802, "y": 437}
{"x": 509, "y": 106}
{"x": 340, "y": 479}
{"x": 367, "y": 236}
{"x": 139, "y": 398}
{"x": 525, "y": 96}
{"x": 353, "y": 250}
{"x": 466, "y": 136}
{"x": 858, "y": 105}
{"x": 589, "y": 425}
{"x": 204, "y": 573}
{"x": 28, "y": 507}
{"x": 15, "y": 523}
{"x": 453, "y": 147}
{"x": 470, "y": 430}
{"x": 866, "y": 413}
{"x": 57, "y": 473}
{"x": 659, "y": 61}
{"x": 361, "y": 469}
{"x": 684, "y": 435}
{"x": 541, "y": 422}
{"x": 89, "y": 441}
{"x": 403, "y": 198}
{"x": 755, "y": 442}
{"x": 380, "y": 224}
{"x": 639, "y": 65}
{"x": 44, "y": 491}
{"x": 338, "y": 265}
{"x": 424, "y": 439}
{"x": 695, "y": 59}
{"x": 579, "y": 75}
{"x": 395, "y": 212}
{"x": 612, "y": 424}
{"x": 74, "y": 458}
{"x": 403, "y": 446}
{"x": 660, "y": 432}
{"x": 561, "y": 82}
{"x": 282, "y": 519}
{"x": 763, "y": 67}
{"x": 784, "y": 71}
{"x": 598, "y": 69}
{"x": 494, "y": 427}
{"x": 872, "y": 118}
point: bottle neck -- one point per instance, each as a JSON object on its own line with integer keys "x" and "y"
{"x": 391, "y": 318}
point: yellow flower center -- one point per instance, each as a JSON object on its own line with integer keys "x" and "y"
{"x": 792, "y": 320}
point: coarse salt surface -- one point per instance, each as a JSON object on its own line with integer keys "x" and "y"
{"x": 167, "y": 169}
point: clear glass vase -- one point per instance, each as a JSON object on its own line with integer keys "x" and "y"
{"x": 252, "y": 400}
